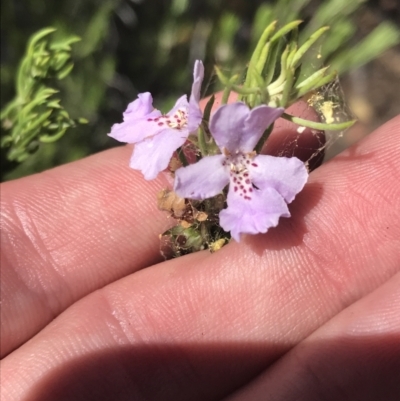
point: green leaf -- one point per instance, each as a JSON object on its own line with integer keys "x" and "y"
{"x": 207, "y": 109}
{"x": 52, "y": 138}
{"x": 310, "y": 81}
{"x": 285, "y": 29}
{"x": 39, "y": 36}
{"x": 308, "y": 43}
{"x": 317, "y": 84}
{"x": 383, "y": 37}
{"x": 65, "y": 71}
{"x": 318, "y": 126}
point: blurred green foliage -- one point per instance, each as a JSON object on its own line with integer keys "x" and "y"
{"x": 35, "y": 114}
{"x": 131, "y": 46}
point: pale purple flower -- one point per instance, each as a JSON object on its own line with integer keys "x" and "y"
{"x": 260, "y": 186}
{"x": 157, "y": 136}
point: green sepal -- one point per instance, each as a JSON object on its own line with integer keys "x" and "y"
{"x": 208, "y": 108}
{"x": 202, "y": 144}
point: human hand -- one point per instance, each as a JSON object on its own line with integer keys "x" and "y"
{"x": 321, "y": 291}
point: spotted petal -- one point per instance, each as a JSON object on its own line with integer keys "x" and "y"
{"x": 202, "y": 180}
{"x": 141, "y": 107}
{"x": 136, "y": 124}
{"x": 152, "y": 155}
{"x": 286, "y": 175}
{"x": 253, "y": 216}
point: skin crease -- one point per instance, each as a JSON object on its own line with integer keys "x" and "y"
{"x": 320, "y": 291}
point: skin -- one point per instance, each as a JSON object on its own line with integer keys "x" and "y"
{"x": 308, "y": 311}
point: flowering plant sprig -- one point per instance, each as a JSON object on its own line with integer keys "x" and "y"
{"x": 223, "y": 187}
{"x": 35, "y": 114}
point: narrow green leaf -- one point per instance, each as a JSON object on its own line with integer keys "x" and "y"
{"x": 318, "y": 84}
{"x": 255, "y": 57}
{"x": 308, "y": 43}
{"x": 39, "y": 36}
{"x": 202, "y": 141}
{"x": 207, "y": 109}
{"x": 309, "y": 82}
{"x": 65, "y": 71}
{"x": 288, "y": 87}
{"x": 285, "y": 29}
{"x": 271, "y": 63}
{"x": 224, "y": 79}
{"x": 318, "y": 126}
{"x": 52, "y": 138}
{"x": 281, "y": 79}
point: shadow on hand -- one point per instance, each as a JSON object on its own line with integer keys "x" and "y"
{"x": 359, "y": 368}
{"x": 290, "y": 231}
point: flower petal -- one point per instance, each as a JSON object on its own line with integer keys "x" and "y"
{"x": 195, "y": 113}
{"x": 286, "y": 175}
{"x": 134, "y": 131}
{"x": 181, "y": 103}
{"x": 198, "y": 75}
{"x": 258, "y": 120}
{"x": 152, "y": 155}
{"x": 227, "y": 125}
{"x": 202, "y": 180}
{"x": 136, "y": 125}
{"x": 252, "y": 216}
{"x": 140, "y": 107}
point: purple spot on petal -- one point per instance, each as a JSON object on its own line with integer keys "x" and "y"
{"x": 254, "y": 164}
{"x": 160, "y": 124}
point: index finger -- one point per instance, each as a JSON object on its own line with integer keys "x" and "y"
{"x": 71, "y": 230}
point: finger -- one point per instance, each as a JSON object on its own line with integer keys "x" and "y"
{"x": 69, "y": 231}
{"x": 356, "y": 355}
{"x": 202, "y": 325}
